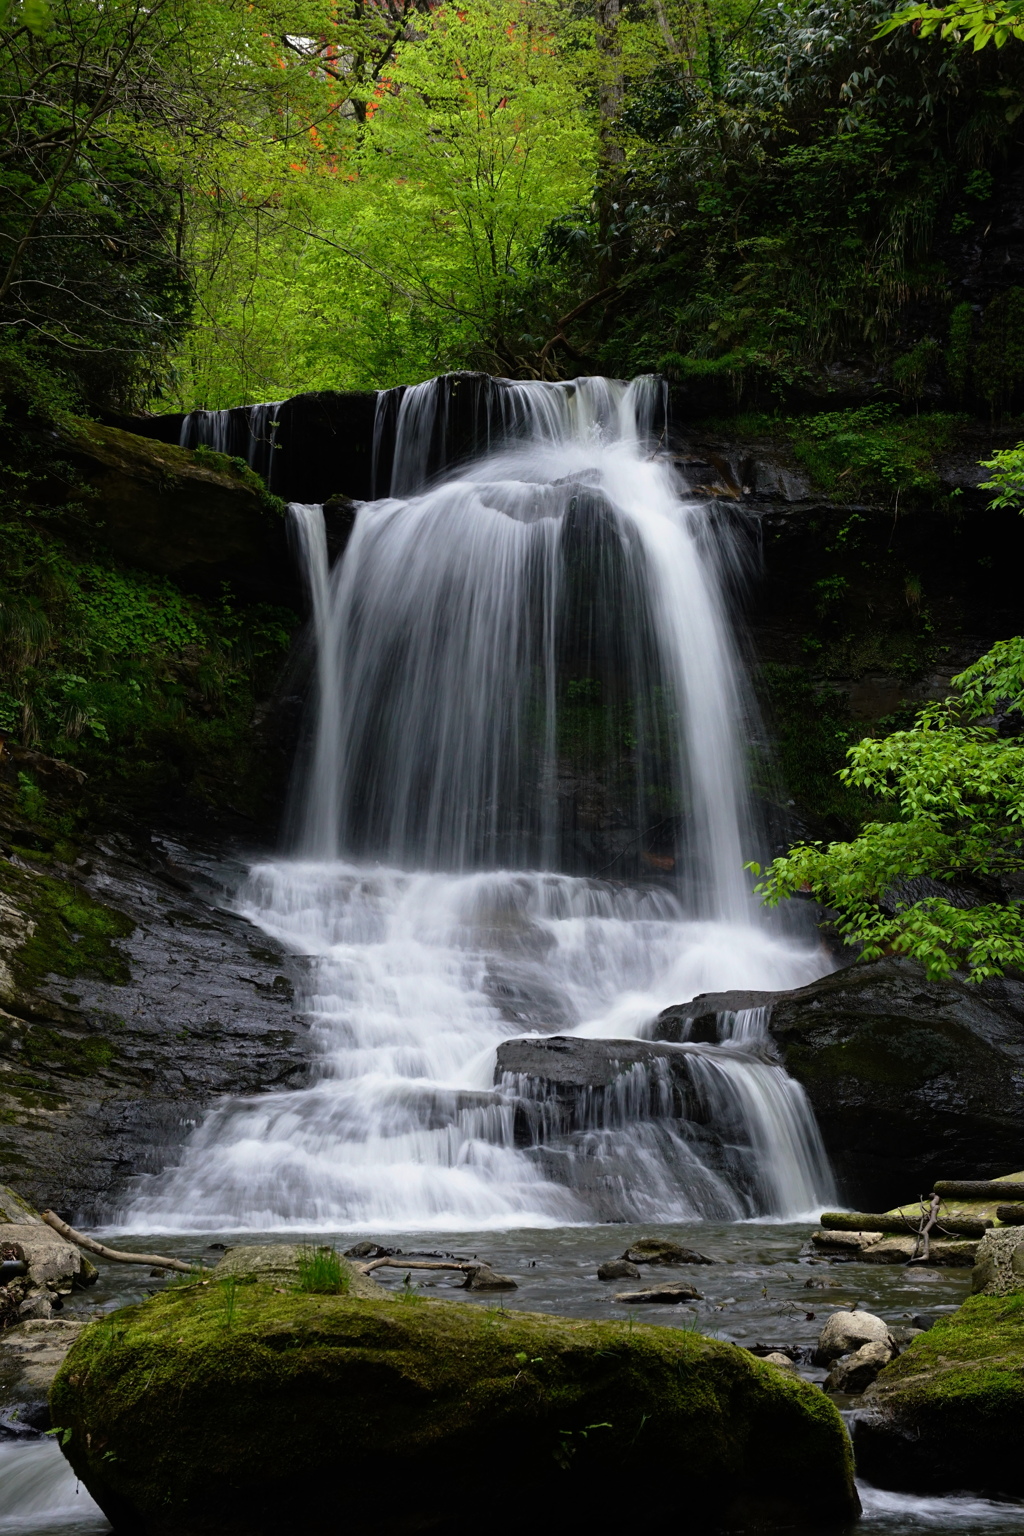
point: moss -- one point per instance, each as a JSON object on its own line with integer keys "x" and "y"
{"x": 188, "y": 1414}
{"x": 877, "y": 1053}
{"x": 950, "y": 1409}
{"x": 71, "y": 934}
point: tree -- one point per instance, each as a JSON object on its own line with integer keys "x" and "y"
{"x": 978, "y": 24}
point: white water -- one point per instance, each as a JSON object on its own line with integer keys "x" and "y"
{"x": 39, "y": 1492}
{"x": 430, "y": 800}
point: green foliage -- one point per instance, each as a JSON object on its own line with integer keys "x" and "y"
{"x": 957, "y": 790}
{"x": 1007, "y": 479}
{"x": 999, "y": 355}
{"x": 321, "y": 1272}
{"x": 991, "y": 21}
{"x": 871, "y": 449}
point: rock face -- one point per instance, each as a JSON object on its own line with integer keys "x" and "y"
{"x": 911, "y": 1080}
{"x": 199, "y": 519}
{"x": 243, "y": 1409}
{"x": 129, "y": 998}
{"x": 949, "y": 1413}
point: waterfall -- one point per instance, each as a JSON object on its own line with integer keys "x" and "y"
{"x": 438, "y": 888}
{"x": 246, "y": 432}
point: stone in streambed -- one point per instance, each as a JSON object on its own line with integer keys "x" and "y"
{"x": 618, "y": 1269}
{"x": 847, "y": 1331}
{"x": 243, "y": 1410}
{"x": 656, "y": 1250}
{"x": 670, "y": 1291}
{"x": 30, "y": 1354}
{"x": 483, "y": 1278}
{"x": 783, "y": 1362}
{"x": 855, "y": 1373}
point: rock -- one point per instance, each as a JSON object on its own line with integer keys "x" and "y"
{"x": 36, "y": 1307}
{"x": 199, "y": 519}
{"x": 16, "y": 1211}
{"x": 52, "y": 1262}
{"x": 655, "y": 1250}
{"x": 670, "y": 1291}
{"x": 278, "y": 1264}
{"x": 782, "y": 1361}
{"x": 949, "y": 1412}
{"x": 911, "y": 1080}
{"x": 569, "y": 1061}
{"x": 184, "y": 1424}
{"x": 999, "y": 1266}
{"x": 855, "y": 1373}
{"x": 899, "y": 1250}
{"x": 846, "y": 1331}
{"x": 618, "y": 1269}
{"x": 184, "y": 1002}
{"x": 30, "y": 1354}
{"x": 483, "y": 1278}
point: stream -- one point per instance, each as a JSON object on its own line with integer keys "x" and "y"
{"x": 762, "y": 1290}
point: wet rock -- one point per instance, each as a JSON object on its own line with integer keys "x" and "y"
{"x": 16, "y": 1211}
{"x": 483, "y": 1278}
{"x": 911, "y": 1080}
{"x": 51, "y": 1262}
{"x": 855, "y": 1373}
{"x": 618, "y": 1269}
{"x": 654, "y": 1250}
{"x": 669, "y": 1292}
{"x": 570, "y": 1061}
{"x": 190, "y": 1427}
{"x": 846, "y": 1331}
{"x": 189, "y": 1002}
{"x": 30, "y": 1355}
{"x": 367, "y": 1250}
{"x": 900, "y": 1250}
{"x": 999, "y": 1267}
{"x": 949, "y": 1412}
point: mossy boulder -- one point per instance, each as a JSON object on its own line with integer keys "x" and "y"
{"x": 949, "y": 1412}
{"x": 241, "y": 1406}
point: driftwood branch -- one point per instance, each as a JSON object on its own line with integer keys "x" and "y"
{"x": 574, "y": 314}
{"x": 152, "y": 1259}
{"x": 419, "y": 1264}
{"x": 924, "y": 1235}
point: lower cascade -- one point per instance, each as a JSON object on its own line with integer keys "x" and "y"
{"x": 445, "y": 899}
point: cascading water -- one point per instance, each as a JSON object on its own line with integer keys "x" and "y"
{"x": 247, "y": 432}
{"x": 429, "y": 827}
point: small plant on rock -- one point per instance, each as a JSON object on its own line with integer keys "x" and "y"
{"x": 321, "y": 1272}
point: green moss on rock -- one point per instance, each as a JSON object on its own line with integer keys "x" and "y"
{"x": 64, "y": 931}
{"x": 240, "y": 1406}
{"x": 949, "y": 1412}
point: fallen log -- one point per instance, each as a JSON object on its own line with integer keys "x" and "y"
{"x": 861, "y": 1221}
{"x": 978, "y": 1189}
{"x": 152, "y": 1259}
{"x": 1012, "y": 1215}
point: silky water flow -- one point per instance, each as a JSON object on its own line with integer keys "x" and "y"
{"x": 426, "y": 888}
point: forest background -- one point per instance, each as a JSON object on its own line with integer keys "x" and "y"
{"x": 206, "y": 203}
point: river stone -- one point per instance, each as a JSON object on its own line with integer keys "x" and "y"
{"x": 30, "y": 1354}
{"x": 670, "y": 1291}
{"x": 782, "y": 1361}
{"x": 846, "y": 1331}
{"x": 854, "y": 1373}
{"x": 618, "y": 1269}
{"x": 483, "y": 1278}
{"x": 656, "y": 1250}
{"x": 189, "y": 1421}
{"x": 949, "y": 1412}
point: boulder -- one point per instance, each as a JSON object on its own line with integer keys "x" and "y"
{"x": 949, "y": 1412}
{"x": 53, "y": 1263}
{"x": 199, "y": 518}
{"x": 846, "y": 1331}
{"x": 911, "y": 1080}
{"x": 670, "y": 1291}
{"x": 618, "y": 1269}
{"x": 656, "y": 1250}
{"x": 483, "y": 1278}
{"x": 30, "y": 1354}
{"x": 15, "y": 1211}
{"x": 277, "y": 1264}
{"x": 250, "y": 1410}
{"x": 783, "y": 1362}
{"x": 999, "y": 1267}
{"x": 855, "y": 1373}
